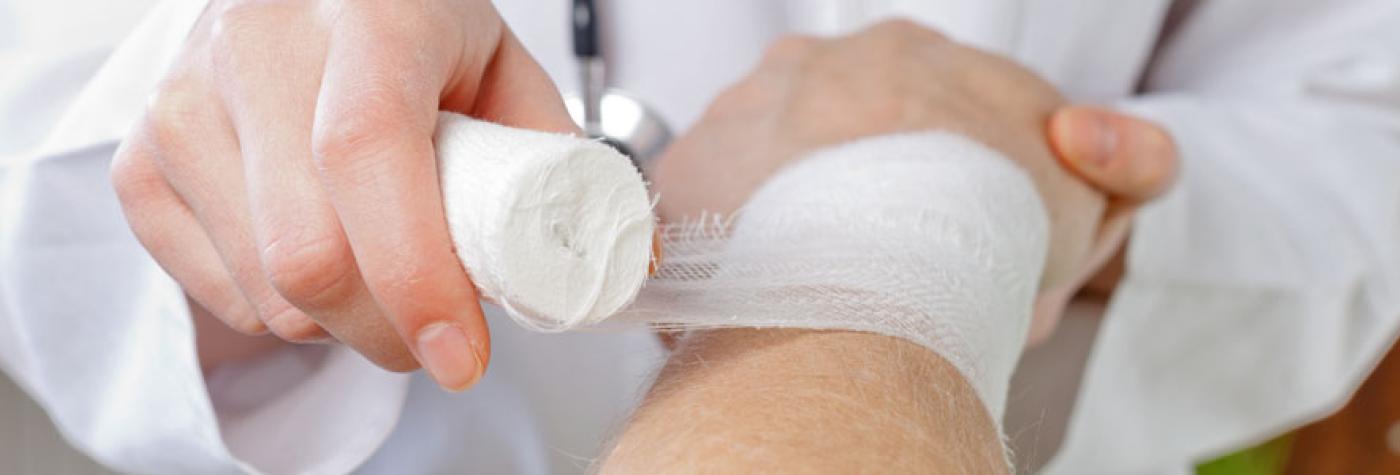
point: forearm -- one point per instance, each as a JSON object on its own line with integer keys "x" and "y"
{"x": 826, "y": 401}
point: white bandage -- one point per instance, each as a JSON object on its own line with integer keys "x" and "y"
{"x": 555, "y": 229}
{"x": 929, "y": 237}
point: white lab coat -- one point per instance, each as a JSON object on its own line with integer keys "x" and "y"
{"x": 1259, "y": 292}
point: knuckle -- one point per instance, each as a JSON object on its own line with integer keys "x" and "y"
{"x": 126, "y": 174}
{"x": 139, "y": 195}
{"x": 353, "y": 132}
{"x": 312, "y": 273}
{"x": 134, "y": 178}
{"x": 171, "y": 111}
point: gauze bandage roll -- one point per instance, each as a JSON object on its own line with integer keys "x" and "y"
{"x": 930, "y": 237}
{"x": 555, "y": 229}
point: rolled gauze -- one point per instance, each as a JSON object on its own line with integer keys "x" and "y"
{"x": 555, "y": 229}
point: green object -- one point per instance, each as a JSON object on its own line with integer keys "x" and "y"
{"x": 1267, "y": 458}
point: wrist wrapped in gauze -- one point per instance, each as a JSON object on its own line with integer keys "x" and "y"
{"x": 930, "y": 237}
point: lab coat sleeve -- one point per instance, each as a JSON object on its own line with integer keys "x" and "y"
{"x": 102, "y": 339}
{"x": 1264, "y": 288}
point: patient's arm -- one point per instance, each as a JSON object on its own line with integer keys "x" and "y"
{"x": 807, "y": 401}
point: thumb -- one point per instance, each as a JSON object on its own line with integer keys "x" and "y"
{"x": 1126, "y": 157}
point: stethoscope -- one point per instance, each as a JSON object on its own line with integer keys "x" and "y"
{"x": 613, "y": 116}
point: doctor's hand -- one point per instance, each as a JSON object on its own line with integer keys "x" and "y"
{"x": 284, "y": 172}
{"x": 811, "y": 93}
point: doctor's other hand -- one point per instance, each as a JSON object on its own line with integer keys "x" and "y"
{"x": 284, "y": 172}
{"x": 810, "y": 93}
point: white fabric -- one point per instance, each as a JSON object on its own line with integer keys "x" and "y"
{"x": 1258, "y": 293}
{"x": 555, "y": 229}
{"x": 49, "y": 52}
{"x": 1265, "y": 287}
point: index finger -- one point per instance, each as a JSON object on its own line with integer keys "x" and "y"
{"x": 372, "y": 141}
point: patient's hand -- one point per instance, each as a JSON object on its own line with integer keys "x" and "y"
{"x": 897, "y": 77}
{"x": 842, "y": 401}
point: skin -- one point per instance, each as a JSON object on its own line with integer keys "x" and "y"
{"x": 792, "y": 401}
{"x": 283, "y": 173}
{"x": 843, "y": 402}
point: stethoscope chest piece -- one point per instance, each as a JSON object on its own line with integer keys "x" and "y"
{"x": 624, "y": 123}
{"x": 615, "y": 117}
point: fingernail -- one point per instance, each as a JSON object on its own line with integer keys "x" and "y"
{"x": 447, "y": 354}
{"x": 1093, "y": 139}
